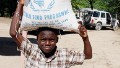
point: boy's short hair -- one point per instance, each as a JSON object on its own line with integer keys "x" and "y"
{"x": 56, "y": 31}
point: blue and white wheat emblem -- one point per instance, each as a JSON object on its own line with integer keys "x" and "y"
{"x": 42, "y": 4}
{"x": 39, "y": 2}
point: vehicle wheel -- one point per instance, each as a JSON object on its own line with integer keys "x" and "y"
{"x": 87, "y": 18}
{"x": 98, "y": 26}
{"x": 115, "y": 27}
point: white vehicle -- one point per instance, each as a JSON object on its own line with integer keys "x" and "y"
{"x": 79, "y": 16}
{"x": 99, "y": 19}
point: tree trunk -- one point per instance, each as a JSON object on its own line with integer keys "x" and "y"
{"x": 91, "y": 4}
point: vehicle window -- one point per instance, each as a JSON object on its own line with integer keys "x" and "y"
{"x": 96, "y": 14}
{"x": 102, "y": 15}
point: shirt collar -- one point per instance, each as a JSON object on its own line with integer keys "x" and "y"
{"x": 50, "y": 58}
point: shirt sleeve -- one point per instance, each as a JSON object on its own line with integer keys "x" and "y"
{"x": 26, "y": 47}
{"x": 75, "y": 57}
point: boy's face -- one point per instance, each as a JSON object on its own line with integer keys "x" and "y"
{"x": 47, "y": 41}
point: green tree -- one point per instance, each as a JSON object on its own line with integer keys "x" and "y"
{"x": 7, "y": 7}
{"x": 83, "y": 3}
{"x": 91, "y": 3}
{"x": 75, "y": 4}
{"x": 114, "y": 7}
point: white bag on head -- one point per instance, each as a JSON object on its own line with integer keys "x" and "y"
{"x": 49, "y": 13}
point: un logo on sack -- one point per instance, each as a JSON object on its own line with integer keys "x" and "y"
{"x": 42, "y": 5}
{"x": 39, "y": 2}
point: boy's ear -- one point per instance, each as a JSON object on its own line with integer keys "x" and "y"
{"x": 57, "y": 39}
{"x": 37, "y": 41}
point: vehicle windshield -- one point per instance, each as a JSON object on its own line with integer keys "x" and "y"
{"x": 96, "y": 14}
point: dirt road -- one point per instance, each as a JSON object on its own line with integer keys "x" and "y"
{"x": 105, "y": 44}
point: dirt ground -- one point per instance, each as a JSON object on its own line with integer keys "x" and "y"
{"x": 105, "y": 44}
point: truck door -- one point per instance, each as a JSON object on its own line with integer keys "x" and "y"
{"x": 108, "y": 18}
{"x": 103, "y": 18}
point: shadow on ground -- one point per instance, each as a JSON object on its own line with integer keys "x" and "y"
{"x": 8, "y": 47}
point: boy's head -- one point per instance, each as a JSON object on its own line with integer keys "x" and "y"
{"x": 56, "y": 31}
{"x": 47, "y": 39}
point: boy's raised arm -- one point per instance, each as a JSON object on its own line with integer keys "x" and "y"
{"x": 15, "y": 25}
{"x": 87, "y": 45}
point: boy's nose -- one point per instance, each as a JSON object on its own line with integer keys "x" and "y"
{"x": 47, "y": 42}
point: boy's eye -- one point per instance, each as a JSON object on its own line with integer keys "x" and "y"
{"x": 42, "y": 39}
{"x": 52, "y": 40}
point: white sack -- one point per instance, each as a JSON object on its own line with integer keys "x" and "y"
{"x": 49, "y": 13}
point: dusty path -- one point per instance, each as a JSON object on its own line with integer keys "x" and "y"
{"x": 105, "y": 43}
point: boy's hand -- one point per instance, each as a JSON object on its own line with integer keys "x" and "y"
{"x": 83, "y": 31}
{"x": 22, "y": 2}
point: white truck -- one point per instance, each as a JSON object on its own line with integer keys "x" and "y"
{"x": 98, "y": 19}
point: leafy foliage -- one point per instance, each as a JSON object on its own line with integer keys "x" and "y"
{"x": 7, "y": 7}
